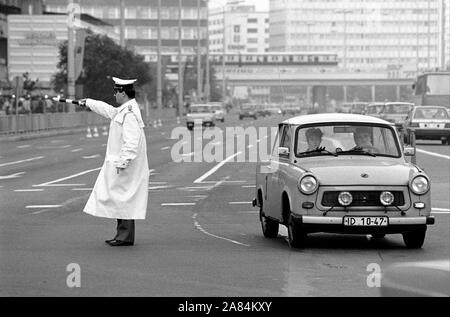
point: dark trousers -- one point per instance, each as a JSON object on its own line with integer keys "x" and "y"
{"x": 125, "y": 230}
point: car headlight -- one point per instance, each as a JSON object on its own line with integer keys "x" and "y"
{"x": 308, "y": 185}
{"x": 420, "y": 185}
{"x": 387, "y": 198}
{"x": 345, "y": 199}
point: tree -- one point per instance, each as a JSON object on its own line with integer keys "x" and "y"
{"x": 103, "y": 59}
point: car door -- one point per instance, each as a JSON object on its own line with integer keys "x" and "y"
{"x": 275, "y": 181}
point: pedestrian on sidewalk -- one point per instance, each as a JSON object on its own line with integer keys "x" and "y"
{"x": 121, "y": 189}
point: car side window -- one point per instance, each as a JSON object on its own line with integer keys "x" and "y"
{"x": 286, "y": 137}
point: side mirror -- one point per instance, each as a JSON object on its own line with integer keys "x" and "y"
{"x": 409, "y": 151}
{"x": 283, "y": 151}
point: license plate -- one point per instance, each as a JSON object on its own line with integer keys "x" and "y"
{"x": 366, "y": 221}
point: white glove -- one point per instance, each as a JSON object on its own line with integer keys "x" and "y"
{"x": 121, "y": 165}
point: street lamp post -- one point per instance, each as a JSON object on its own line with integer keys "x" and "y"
{"x": 159, "y": 65}
{"x": 180, "y": 62}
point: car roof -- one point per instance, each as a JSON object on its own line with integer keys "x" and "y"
{"x": 430, "y": 107}
{"x": 334, "y": 117}
{"x": 399, "y": 103}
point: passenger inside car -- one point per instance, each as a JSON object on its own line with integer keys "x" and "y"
{"x": 314, "y": 138}
{"x": 363, "y": 140}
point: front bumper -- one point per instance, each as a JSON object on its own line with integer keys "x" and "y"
{"x": 336, "y": 225}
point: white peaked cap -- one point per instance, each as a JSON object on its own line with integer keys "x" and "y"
{"x": 124, "y": 82}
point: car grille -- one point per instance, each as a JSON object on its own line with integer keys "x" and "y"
{"x": 362, "y": 198}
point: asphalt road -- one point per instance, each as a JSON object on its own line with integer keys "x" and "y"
{"x": 202, "y": 237}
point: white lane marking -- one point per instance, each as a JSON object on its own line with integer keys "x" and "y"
{"x": 250, "y": 212}
{"x": 177, "y": 204}
{"x": 440, "y": 211}
{"x": 165, "y": 148}
{"x": 28, "y": 190}
{"x": 42, "y": 206}
{"x": 52, "y": 183}
{"x": 199, "y": 227}
{"x": 53, "y": 147}
{"x": 215, "y": 168}
{"x": 16, "y": 175}
{"x": 76, "y": 150}
{"x": 159, "y": 187}
{"x": 57, "y": 141}
{"x": 250, "y": 146}
{"x": 83, "y": 189}
{"x": 22, "y": 161}
{"x": 91, "y": 157}
{"x": 240, "y": 203}
{"x": 249, "y": 186}
{"x": 434, "y": 154}
{"x": 23, "y": 146}
{"x": 157, "y": 183}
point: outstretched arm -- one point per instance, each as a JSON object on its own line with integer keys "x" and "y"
{"x": 100, "y": 107}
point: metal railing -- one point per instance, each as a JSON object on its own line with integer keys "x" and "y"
{"x": 25, "y": 123}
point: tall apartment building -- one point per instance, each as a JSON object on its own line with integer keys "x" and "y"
{"x": 141, "y": 23}
{"x": 446, "y": 28}
{"x": 369, "y": 34}
{"x": 246, "y": 29}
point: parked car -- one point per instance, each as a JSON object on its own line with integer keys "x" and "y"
{"x": 200, "y": 114}
{"x": 397, "y": 112}
{"x": 418, "y": 279}
{"x": 428, "y": 123}
{"x": 356, "y": 181}
{"x": 274, "y": 110}
{"x": 261, "y": 111}
{"x": 375, "y": 109}
{"x": 219, "y": 111}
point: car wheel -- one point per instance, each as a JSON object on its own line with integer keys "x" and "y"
{"x": 414, "y": 239}
{"x": 269, "y": 227}
{"x": 296, "y": 236}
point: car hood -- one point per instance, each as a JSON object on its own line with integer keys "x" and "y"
{"x": 351, "y": 172}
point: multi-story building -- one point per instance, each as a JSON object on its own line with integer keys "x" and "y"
{"x": 446, "y": 30}
{"x": 33, "y": 43}
{"x": 246, "y": 29}
{"x": 370, "y": 34}
{"x": 141, "y": 23}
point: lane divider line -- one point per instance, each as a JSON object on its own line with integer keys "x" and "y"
{"x": 66, "y": 178}
{"x": 215, "y": 168}
{"x": 434, "y": 154}
{"x": 199, "y": 227}
{"x": 23, "y": 161}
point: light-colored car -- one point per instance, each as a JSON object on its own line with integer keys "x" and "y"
{"x": 428, "y": 123}
{"x": 397, "y": 112}
{"x": 219, "y": 111}
{"x": 375, "y": 109}
{"x": 416, "y": 279}
{"x": 344, "y": 184}
{"x": 200, "y": 114}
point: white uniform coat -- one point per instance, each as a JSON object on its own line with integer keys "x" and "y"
{"x": 125, "y": 195}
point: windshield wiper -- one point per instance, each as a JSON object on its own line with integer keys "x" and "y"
{"x": 318, "y": 150}
{"x": 358, "y": 150}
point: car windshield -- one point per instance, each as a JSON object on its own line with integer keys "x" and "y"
{"x": 430, "y": 113}
{"x": 200, "y": 109}
{"x": 347, "y": 139}
{"x": 398, "y": 108}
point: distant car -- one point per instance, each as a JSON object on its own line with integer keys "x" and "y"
{"x": 420, "y": 279}
{"x": 248, "y": 111}
{"x": 397, "y": 112}
{"x": 200, "y": 114}
{"x": 291, "y": 110}
{"x": 274, "y": 110}
{"x": 219, "y": 111}
{"x": 428, "y": 123}
{"x": 358, "y": 107}
{"x": 341, "y": 186}
{"x": 375, "y": 109}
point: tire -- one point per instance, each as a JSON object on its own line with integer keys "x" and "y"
{"x": 296, "y": 236}
{"x": 414, "y": 239}
{"x": 269, "y": 227}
